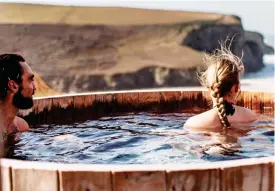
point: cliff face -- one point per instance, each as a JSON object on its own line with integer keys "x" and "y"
{"x": 90, "y": 58}
{"x": 95, "y": 57}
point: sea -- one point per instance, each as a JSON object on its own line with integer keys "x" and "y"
{"x": 262, "y": 80}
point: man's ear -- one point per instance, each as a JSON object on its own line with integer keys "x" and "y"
{"x": 13, "y": 86}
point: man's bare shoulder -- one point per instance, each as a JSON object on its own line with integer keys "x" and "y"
{"x": 21, "y": 124}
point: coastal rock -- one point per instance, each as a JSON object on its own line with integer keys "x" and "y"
{"x": 268, "y": 49}
{"x": 250, "y": 44}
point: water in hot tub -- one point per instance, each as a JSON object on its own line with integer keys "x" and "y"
{"x": 142, "y": 138}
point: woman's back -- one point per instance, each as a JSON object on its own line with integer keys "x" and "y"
{"x": 210, "y": 119}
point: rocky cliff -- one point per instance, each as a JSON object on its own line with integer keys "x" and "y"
{"x": 115, "y": 50}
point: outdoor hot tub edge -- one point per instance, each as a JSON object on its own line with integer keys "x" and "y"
{"x": 245, "y": 174}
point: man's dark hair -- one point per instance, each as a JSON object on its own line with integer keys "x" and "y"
{"x": 10, "y": 69}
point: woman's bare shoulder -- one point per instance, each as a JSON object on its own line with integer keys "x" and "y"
{"x": 192, "y": 121}
{"x": 246, "y": 115}
{"x": 200, "y": 120}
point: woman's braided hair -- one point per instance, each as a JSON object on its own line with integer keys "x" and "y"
{"x": 224, "y": 70}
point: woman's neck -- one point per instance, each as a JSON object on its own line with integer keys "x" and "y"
{"x": 225, "y": 98}
{"x": 229, "y": 99}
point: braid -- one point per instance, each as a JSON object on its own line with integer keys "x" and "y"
{"x": 220, "y": 104}
{"x": 218, "y": 96}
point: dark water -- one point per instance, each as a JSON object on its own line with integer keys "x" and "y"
{"x": 142, "y": 138}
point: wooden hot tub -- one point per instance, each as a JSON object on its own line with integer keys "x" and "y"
{"x": 245, "y": 174}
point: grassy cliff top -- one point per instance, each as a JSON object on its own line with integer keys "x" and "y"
{"x": 48, "y": 14}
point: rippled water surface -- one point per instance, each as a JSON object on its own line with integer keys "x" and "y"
{"x": 142, "y": 138}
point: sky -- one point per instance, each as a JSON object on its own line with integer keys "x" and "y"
{"x": 256, "y": 15}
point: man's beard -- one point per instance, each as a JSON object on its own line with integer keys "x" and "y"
{"x": 21, "y": 102}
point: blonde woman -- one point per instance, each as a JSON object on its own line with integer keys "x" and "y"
{"x": 222, "y": 78}
{"x": 225, "y": 122}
